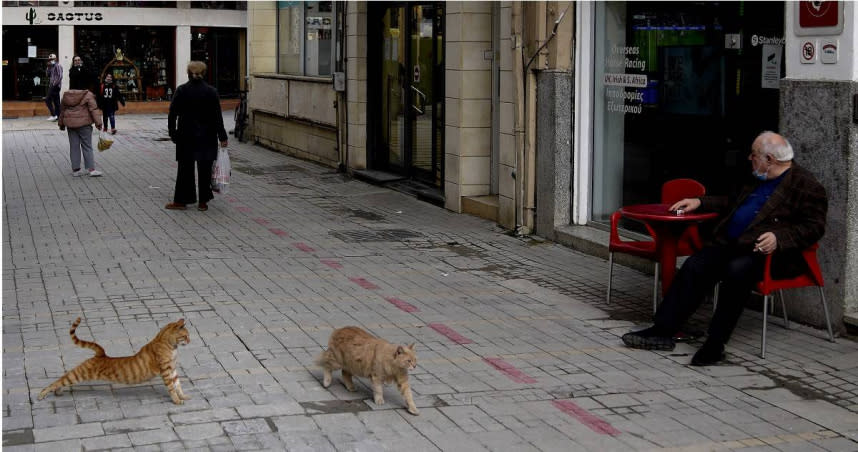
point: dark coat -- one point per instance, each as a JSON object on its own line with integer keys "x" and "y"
{"x": 109, "y": 96}
{"x": 795, "y": 212}
{"x": 195, "y": 121}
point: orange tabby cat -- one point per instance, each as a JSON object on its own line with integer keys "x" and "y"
{"x": 359, "y": 353}
{"x": 156, "y": 357}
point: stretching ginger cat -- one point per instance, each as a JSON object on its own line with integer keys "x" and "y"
{"x": 156, "y": 357}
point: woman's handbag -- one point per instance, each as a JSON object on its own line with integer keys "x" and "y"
{"x": 221, "y": 171}
{"x": 104, "y": 141}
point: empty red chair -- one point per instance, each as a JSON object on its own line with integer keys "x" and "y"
{"x": 671, "y": 192}
{"x": 813, "y": 277}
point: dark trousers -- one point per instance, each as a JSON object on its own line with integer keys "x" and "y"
{"x": 108, "y": 115}
{"x": 737, "y": 270}
{"x": 52, "y": 100}
{"x": 185, "y": 189}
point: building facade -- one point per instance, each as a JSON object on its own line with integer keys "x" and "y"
{"x": 546, "y": 117}
{"x": 144, "y": 45}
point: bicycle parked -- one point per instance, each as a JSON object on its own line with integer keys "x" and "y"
{"x": 241, "y": 116}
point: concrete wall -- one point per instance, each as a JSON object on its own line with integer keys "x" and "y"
{"x": 506, "y": 163}
{"x": 468, "y": 101}
{"x": 816, "y": 116}
{"x": 553, "y": 141}
{"x": 290, "y": 113}
{"x": 356, "y": 84}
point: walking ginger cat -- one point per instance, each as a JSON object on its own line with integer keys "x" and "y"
{"x": 361, "y": 354}
{"x": 158, "y": 357}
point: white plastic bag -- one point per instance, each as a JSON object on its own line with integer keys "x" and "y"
{"x": 104, "y": 141}
{"x": 221, "y": 171}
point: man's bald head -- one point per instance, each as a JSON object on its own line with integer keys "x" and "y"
{"x": 770, "y": 143}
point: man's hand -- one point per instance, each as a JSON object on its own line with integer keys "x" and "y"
{"x": 224, "y": 143}
{"x": 766, "y": 243}
{"x": 686, "y": 205}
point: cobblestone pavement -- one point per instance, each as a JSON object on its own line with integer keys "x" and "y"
{"x": 517, "y": 349}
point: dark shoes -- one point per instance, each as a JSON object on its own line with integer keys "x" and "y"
{"x": 649, "y": 339}
{"x": 710, "y": 353}
{"x": 203, "y": 207}
{"x": 174, "y": 206}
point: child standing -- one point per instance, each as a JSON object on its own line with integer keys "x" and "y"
{"x": 109, "y": 96}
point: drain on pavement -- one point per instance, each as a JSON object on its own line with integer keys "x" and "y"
{"x": 383, "y": 235}
{"x": 335, "y": 406}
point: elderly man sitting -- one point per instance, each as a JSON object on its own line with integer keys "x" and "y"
{"x": 781, "y": 211}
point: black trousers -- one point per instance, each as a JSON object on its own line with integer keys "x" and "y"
{"x": 186, "y": 192}
{"x": 738, "y": 270}
{"x": 52, "y": 100}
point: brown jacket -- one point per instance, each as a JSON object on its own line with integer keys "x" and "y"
{"x": 79, "y": 109}
{"x": 795, "y": 212}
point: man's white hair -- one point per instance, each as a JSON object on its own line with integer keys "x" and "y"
{"x": 775, "y": 145}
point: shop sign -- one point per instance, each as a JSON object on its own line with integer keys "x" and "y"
{"x": 808, "y": 52}
{"x": 763, "y": 40}
{"x": 828, "y": 52}
{"x": 320, "y": 23}
{"x": 818, "y": 18}
{"x": 771, "y": 66}
{"x": 34, "y": 17}
{"x": 630, "y": 80}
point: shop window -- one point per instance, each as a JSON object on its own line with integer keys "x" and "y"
{"x": 305, "y": 37}
{"x": 126, "y": 4}
{"x": 220, "y": 49}
{"x": 219, "y": 5}
{"x": 30, "y": 3}
{"x": 149, "y": 51}
{"x": 672, "y": 100}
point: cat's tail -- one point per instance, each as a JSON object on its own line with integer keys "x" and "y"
{"x": 85, "y": 344}
{"x": 326, "y": 360}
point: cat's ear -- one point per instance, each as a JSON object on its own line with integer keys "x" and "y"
{"x": 412, "y": 346}
{"x": 399, "y": 350}
{"x": 181, "y": 322}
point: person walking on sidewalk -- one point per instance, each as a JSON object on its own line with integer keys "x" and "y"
{"x": 109, "y": 98}
{"x": 195, "y": 124}
{"x": 782, "y": 211}
{"x": 79, "y": 113}
{"x": 54, "y": 73}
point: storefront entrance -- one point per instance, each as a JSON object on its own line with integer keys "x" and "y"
{"x": 25, "y": 59}
{"x": 406, "y": 61}
{"x": 680, "y": 90}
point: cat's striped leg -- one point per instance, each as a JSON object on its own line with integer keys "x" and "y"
{"x": 377, "y": 390}
{"x": 57, "y": 386}
{"x": 179, "y": 390}
{"x": 171, "y": 381}
{"x": 405, "y": 390}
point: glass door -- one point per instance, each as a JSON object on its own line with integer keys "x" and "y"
{"x": 410, "y": 130}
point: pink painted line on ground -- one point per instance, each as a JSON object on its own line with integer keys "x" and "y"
{"x": 509, "y": 370}
{"x": 261, "y": 220}
{"x": 333, "y": 264}
{"x": 231, "y": 199}
{"x": 363, "y": 283}
{"x": 279, "y": 232}
{"x": 244, "y": 209}
{"x": 450, "y": 333}
{"x": 303, "y": 247}
{"x": 402, "y": 304}
{"x": 592, "y": 421}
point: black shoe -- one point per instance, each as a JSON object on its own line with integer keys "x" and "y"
{"x": 649, "y": 339}
{"x": 710, "y": 353}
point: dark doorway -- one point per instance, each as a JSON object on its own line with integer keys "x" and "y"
{"x": 406, "y": 64}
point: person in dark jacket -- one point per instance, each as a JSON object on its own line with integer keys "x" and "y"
{"x": 783, "y": 211}
{"x": 109, "y": 98}
{"x": 195, "y": 124}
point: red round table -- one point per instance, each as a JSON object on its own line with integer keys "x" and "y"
{"x": 668, "y": 227}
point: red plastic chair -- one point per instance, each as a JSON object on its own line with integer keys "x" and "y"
{"x": 812, "y": 278}
{"x": 671, "y": 192}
